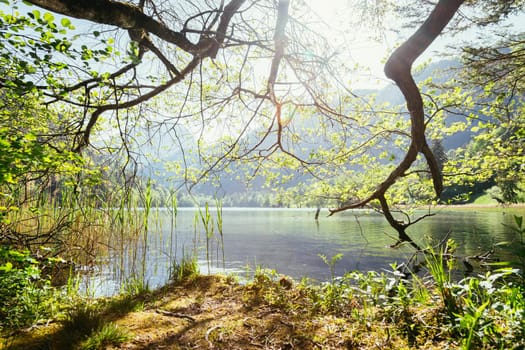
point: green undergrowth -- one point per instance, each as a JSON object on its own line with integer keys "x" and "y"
{"x": 27, "y": 297}
{"x": 482, "y": 312}
{"x": 357, "y": 310}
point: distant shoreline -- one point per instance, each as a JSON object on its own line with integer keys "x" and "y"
{"x": 426, "y": 207}
{"x": 477, "y": 206}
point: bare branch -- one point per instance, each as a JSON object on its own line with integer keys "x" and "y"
{"x": 84, "y": 140}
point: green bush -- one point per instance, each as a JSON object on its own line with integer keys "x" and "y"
{"x": 26, "y": 297}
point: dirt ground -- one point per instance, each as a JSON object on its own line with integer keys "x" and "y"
{"x": 216, "y": 312}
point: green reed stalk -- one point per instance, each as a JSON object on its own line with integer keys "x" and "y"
{"x": 147, "y": 206}
{"x": 120, "y": 215}
{"x": 440, "y": 269}
{"x": 130, "y": 231}
{"x": 207, "y": 223}
{"x": 145, "y": 220}
{"x": 187, "y": 268}
{"x": 172, "y": 207}
{"x": 218, "y": 204}
{"x": 196, "y": 236}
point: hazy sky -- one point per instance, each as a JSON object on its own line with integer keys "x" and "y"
{"x": 370, "y": 48}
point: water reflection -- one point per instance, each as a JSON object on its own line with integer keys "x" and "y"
{"x": 291, "y": 240}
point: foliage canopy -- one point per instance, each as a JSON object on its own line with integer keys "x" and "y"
{"x": 255, "y": 82}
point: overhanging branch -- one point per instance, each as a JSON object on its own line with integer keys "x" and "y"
{"x": 119, "y": 14}
{"x": 398, "y": 68}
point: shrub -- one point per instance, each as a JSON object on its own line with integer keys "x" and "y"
{"x": 26, "y": 297}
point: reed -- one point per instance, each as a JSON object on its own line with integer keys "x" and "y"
{"x": 145, "y": 231}
{"x": 207, "y": 223}
{"x": 440, "y": 265}
{"x": 219, "y": 220}
{"x": 171, "y": 206}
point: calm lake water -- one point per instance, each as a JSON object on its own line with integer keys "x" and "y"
{"x": 290, "y": 241}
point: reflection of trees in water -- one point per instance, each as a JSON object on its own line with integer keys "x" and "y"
{"x": 476, "y": 232}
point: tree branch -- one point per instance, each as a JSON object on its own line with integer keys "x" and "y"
{"x": 398, "y": 68}
{"x": 120, "y": 14}
{"x": 84, "y": 140}
{"x": 280, "y": 44}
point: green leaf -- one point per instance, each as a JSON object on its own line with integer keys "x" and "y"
{"x": 519, "y": 221}
{"x": 6, "y": 267}
{"x": 49, "y": 18}
{"x": 65, "y": 22}
{"x": 499, "y": 263}
{"x": 36, "y": 14}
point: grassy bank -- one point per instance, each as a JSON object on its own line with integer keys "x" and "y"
{"x": 512, "y": 209}
{"x": 356, "y": 311}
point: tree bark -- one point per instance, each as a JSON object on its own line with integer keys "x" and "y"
{"x": 119, "y": 14}
{"x": 131, "y": 17}
{"x": 398, "y": 68}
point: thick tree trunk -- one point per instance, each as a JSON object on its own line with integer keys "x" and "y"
{"x": 398, "y": 68}
{"x": 119, "y": 14}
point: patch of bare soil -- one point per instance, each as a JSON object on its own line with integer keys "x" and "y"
{"x": 213, "y": 312}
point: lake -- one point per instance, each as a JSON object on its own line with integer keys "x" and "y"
{"x": 290, "y": 241}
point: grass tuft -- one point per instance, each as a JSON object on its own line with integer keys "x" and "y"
{"x": 108, "y": 335}
{"x": 185, "y": 270}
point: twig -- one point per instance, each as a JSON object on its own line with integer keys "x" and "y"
{"x": 208, "y": 332}
{"x": 175, "y": 314}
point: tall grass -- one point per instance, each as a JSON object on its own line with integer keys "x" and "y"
{"x": 440, "y": 265}
{"x": 72, "y": 226}
{"x": 517, "y": 247}
{"x": 185, "y": 269}
{"x": 219, "y": 220}
{"x": 211, "y": 225}
{"x": 484, "y": 311}
{"x": 173, "y": 210}
{"x": 206, "y": 220}
{"x": 145, "y": 232}
{"x": 107, "y": 336}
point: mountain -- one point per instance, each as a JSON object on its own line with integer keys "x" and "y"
{"x": 233, "y": 181}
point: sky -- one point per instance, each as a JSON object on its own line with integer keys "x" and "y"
{"x": 373, "y": 53}
{"x": 335, "y": 21}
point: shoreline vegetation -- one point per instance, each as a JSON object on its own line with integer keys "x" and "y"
{"x": 466, "y": 206}
{"x": 109, "y": 112}
{"x": 481, "y": 206}
{"x": 359, "y": 310}
{"x": 394, "y": 309}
